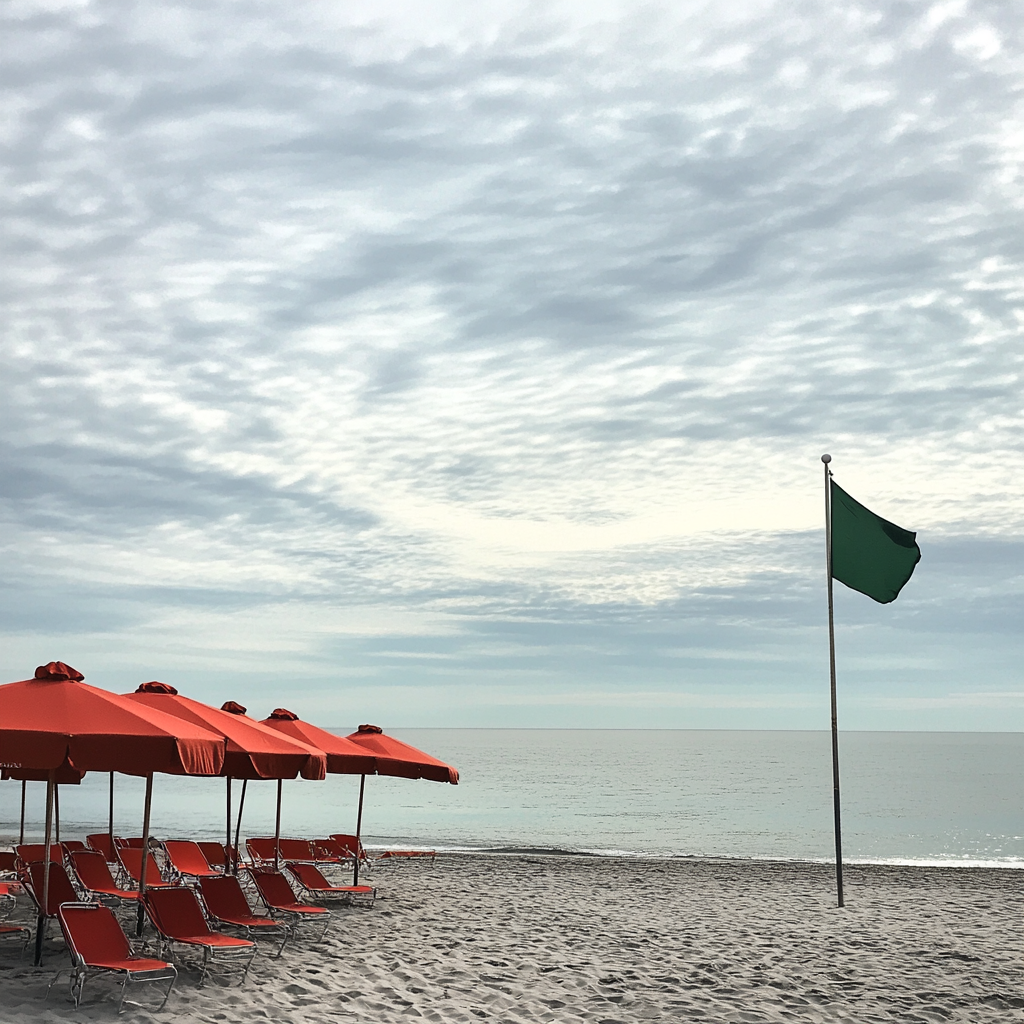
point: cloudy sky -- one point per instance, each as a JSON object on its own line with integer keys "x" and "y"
{"x": 444, "y": 364}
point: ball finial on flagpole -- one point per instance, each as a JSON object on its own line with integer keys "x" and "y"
{"x": 826, "y": 459}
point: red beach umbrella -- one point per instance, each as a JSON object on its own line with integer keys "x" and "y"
{"x": 56, "y": 720}
{"x": 398, "y": 759}
{"x": 253, "y": 750}
{"x": 343, "y": 756}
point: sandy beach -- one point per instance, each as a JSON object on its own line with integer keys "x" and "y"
{"x": 566, "y": 939}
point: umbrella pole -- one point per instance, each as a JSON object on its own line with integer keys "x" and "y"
{"x": 21, "y": 833}
{"x": 227, "y": 841}
{"x": 359, "y": 829}
{"x": 110, "y": 816}
{"x": 41, "y": 922}
{"x": 56, "y": 812}
{"x": 238, "y": 827}
{"x": 277, "y": 831}
{"x": 145, "y": 854}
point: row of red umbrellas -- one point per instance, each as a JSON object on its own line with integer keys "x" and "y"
{"x": 56, "y": 727}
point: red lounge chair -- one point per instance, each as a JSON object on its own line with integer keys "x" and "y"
{"x": 327, "y": 851}
{"x": 8, "y": 864}
{"x": 350, "y": 846}
{"x": 95, "y": 878}
{"x": 73, "y": 844}
{"x": 226, "y": 903}
{"x": 310, "y": 877}
{"x": 100, "y": 841}
{"x": 16, "y": 931}
{"x": 179, "y": 919}
{"x": 215, "y": 854}
{"x": 279, "y": 897}
{"x": 407, "y": 854}
{"x": 131, "y": 860}
{"x": 31, "y": 853}
{"x": 96, "y": 942}
{"x": 187, "y": 860}
{"x": 60, "y": 890}
{"x": 11, "y": 931}
{"x": 262, "y": 850}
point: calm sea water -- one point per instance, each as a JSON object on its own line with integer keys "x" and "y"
{"x": 907, "y": 797}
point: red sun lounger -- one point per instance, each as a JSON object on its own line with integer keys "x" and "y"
{"x": 100, "y": 841}
{"x": 177, "y": 916}
{"x": 131, "y": 860}
{"x": 350, "y": 846}
{"x": 226, "y": 904}
{"x": 262, "y": 850}
{"x": 30, "y": 853}
{"x": 96, "y": 942}
{"x": 187, "y": 860}
{"x": 95, "y": 878}
{"x": 215, "y": 855}
{"x": 11, "y": 931}
{"x": 60, "y": 891}
{"x": 279, "y": 897}
{"x": 8, "y": 864}
{"x": 313, "y": 882}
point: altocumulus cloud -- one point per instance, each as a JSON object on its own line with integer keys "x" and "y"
{"x": 439, "y": 371}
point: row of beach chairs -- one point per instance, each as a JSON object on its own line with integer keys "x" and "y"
{"x": 193, "y": 892}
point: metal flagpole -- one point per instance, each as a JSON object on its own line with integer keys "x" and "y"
{"x": 826, "y": 459}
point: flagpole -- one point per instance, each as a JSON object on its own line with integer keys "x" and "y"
{"x": 826, "y": 459}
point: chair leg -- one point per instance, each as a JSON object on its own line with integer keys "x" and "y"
{"x": 167, "y": 994}
{"x": 76, "y": 991}
{"x": 206, "y": 964}
{"x": 53, "y": 981}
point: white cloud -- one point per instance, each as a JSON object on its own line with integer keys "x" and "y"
{"x": 396, "y": 319}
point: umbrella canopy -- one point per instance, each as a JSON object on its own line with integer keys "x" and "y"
{"x": 397, "y": 758}
{"x": 253, "y": 750}
{"x": 55, "y": 719}
{"x": 343, "y": 756}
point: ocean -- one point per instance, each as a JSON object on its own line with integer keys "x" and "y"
{"x": 918, "y": 798}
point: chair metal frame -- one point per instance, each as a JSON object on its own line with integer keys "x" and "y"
{"x": 107, "y": 894}
{"x": 80, "y": 968}
{"x": 173, "y": 848}
{"x": 254, "y": 925}
{"x": 357, "y": 895}
{"x": 297, "y": 911}
{"x": 239, "y": 950}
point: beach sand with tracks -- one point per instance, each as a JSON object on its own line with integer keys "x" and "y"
{"x": 524, "y": 937}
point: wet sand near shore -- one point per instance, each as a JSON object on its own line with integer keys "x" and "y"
{"x": 601, "y": 940}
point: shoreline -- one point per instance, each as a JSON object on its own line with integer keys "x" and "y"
{"x": 8, "y": 841}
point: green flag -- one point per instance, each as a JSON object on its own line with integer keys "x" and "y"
{"x": 870, "y": 554}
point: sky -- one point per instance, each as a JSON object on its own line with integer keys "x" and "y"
{"x": 435, "y": 364}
